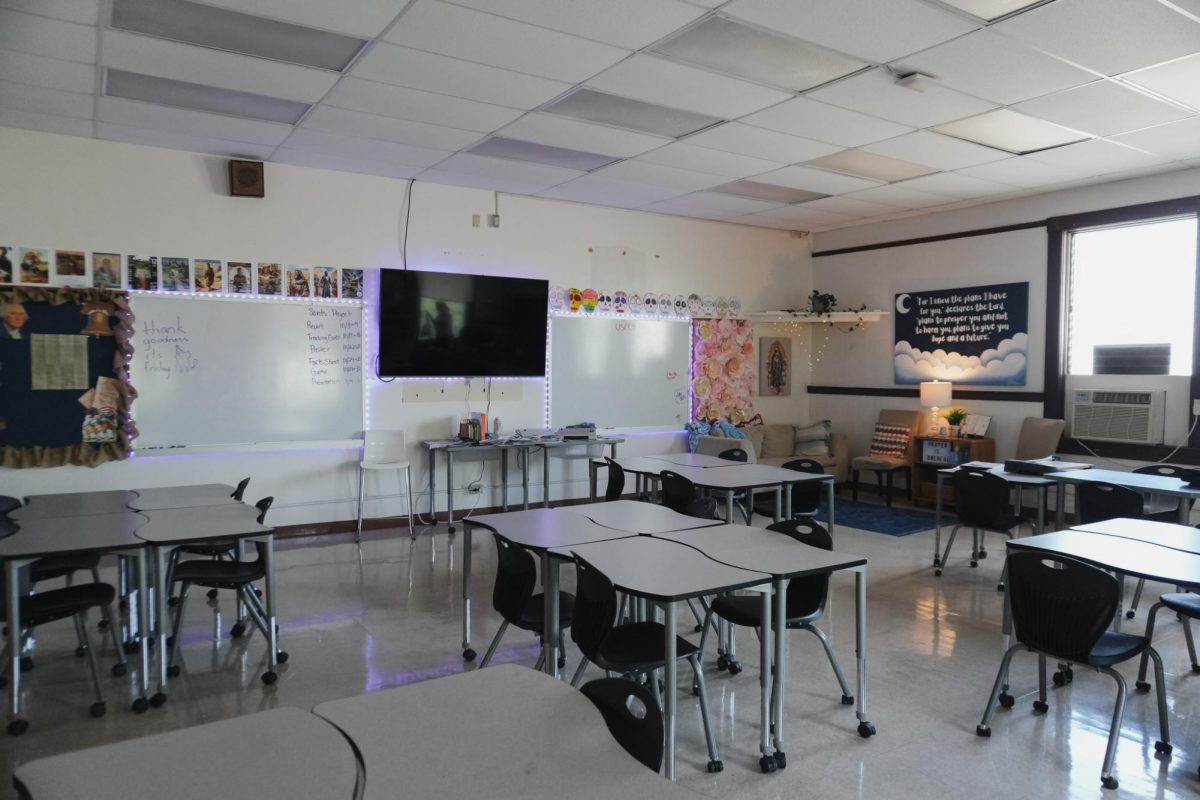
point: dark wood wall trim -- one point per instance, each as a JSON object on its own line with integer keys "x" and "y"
{"x": 904, "y": 391}
{"x": 1020, "y": 226}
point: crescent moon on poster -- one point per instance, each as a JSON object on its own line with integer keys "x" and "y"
{"x": 902, "y": 304}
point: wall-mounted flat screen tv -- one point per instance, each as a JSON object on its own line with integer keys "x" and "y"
{"x": 445, "y": 324}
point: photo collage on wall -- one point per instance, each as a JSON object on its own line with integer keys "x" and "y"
{"x": 44, "y": 266}
{"x": 585, "y": 302}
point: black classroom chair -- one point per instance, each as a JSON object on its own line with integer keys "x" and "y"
{"x": 1097, "y": 502}
{"x": 1061, "y": 609}
{"x": 981, "y": 501}
{"x": 740, "y": 498}
{"x": 514, "y": 599}
{"x": 677, "y": 491}
{"x": 616, "y": 481}
{"x": 619, "y": 701}
{"x": 806, "y": 497}
{"x": 1186, "y": 605}
{"x": 8, "y": 505}
{"x": 217, "y": 549}
{"x": 1157, "y": 507}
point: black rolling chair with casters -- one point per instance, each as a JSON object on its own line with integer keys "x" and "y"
{"x": 219, "y": 548}
{"x": 1165, "y": 509}
{"x": 677, "y": 491}
{"x": 514, "y": 600}
{"x": 616, "y": 481}
{"x": 1061, "y": 609}
{"x": 741, "y": 456}
{"x": 65, "y": 566}
{"x": 1096, "y": 502}
{"x": 8, "y": 505}
{"x": 1187, "y": 606}
{"x": 634, "y": 649}
{"x": 703, "y": 508}
{"x": 806, "y": 497}
{"x": 632, "y": 716}
{"x": 239, "y": 576}
{"x": 981, "y": 501}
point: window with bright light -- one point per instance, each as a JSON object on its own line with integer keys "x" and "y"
{"x": 1131, "y": 302}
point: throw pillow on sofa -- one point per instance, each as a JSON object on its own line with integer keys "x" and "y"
{"x": 889, "y": 440}
{"x": 813, "y": 440}
{"x": 778, "y": 441}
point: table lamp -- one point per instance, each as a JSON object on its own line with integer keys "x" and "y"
{"x": 935, "y": 395}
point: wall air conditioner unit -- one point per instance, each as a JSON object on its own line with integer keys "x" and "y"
{"x": 1118, "y": 415}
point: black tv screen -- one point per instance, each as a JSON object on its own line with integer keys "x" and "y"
{"x": 444, "y": 324}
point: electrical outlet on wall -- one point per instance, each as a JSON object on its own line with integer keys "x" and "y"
{"x": 1196, "y": 407}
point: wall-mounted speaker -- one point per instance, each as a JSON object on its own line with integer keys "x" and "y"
{"x": 246, "y": 178}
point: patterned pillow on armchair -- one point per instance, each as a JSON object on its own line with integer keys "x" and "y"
{"x": 890, "y": 441}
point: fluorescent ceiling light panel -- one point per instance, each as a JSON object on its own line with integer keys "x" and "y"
{"x": 500, "y": 147}
{"x": 869, "y": 165}
{"x": 766, "y": 57}
{"x": 1010, "y": 131}
{"x": 180, "y": 94}
{"x": 221, "y": 29}
{"x": 989, "y": 10}
{"x": 767, "y": 191}
{"x": 635, "y": 115}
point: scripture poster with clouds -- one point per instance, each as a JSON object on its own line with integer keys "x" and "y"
{"x": 976, "y": 334}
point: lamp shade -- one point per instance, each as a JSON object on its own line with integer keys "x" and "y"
{"x": 936, "y": 394}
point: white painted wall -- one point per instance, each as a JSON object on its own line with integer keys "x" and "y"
{"x": 94, "y": 195}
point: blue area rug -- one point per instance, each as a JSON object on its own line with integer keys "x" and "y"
{"x": 880, "y": 519}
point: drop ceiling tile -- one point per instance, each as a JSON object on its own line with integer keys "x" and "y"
{"x": 558, "y": 131}
{"x": 488, "y": 39}
{"x": 935, "y": 150}
{"x": 185, "y": 62}
{"x": 681, "y": 180}
{"x": 1096, "y": 157}
{"x": 365, "y": 18}
{"x": 1178, "y": 80}
{"x": 51, "y": 123}
{"x": 1109, "y": 36}
{"x": 705, "y": 159}
{"x": 52, "y": 38}
{"x": 85, "y": 12}
{"x": 1102, "y": 108}
{"x": 869, "y": 165}
{"x": 675, "y": 208}
{"x": 896, "y": 195}
{"x": 413, "y": 104}
{"x": 585, "y": 103}
{"x": 21, "y": 97}
{"x": 723, "y": 204}
{"x": 416, "y": 69}
{"x": 657, "y": 80}
{"x": 952, "y": 184}
{"x": 508, "y": 170}
{"x": 825, "y": 123}
{"x": 49, "y": 73}
{"x": 747, "y": 140}
{"x": 365, "y": 166}
{"x": 374, "y": 149}
{"x": 118, "y": 111}
{"x": 864, "y": 28}
{"x": 849, "y": 207}
{"x": 370, "y": 126}
{"x": 490, "y": 183}
{"x": 520, "y": 150}
{"x": 1006, "y": 129}
{"x": 991, "y": 9}
{"x": 995, "y": 68}
{"x": 800, "y": 216}
{"x": 1177, "y": 140}
{"x": 180, "y": 141}
{"x": 876, "y": 93}
{"x": 1021, "y": 171}
{"x": 632, "y": 24}
{"x": 815, "y": 180}
{"x": 596, "y": 189}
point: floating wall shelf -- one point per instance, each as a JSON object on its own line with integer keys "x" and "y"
{"x": 784, "y": 315}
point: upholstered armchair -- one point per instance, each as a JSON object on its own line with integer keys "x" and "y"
{"x": 892, "y": 451}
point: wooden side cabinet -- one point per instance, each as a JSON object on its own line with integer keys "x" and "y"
{"x": 939, "y": 452}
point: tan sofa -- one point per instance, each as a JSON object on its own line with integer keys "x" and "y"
{"x": 776, "y": 444}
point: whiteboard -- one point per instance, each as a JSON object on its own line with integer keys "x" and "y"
{"x": 620, "y": 373}
{"x": 214, "y": 371}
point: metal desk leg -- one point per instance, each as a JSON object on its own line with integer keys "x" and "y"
{"x": 669, "y": 691}
{"x": 767, "y": 762}
{"x": 504, "y": 478}
{"x": 432, "y": 485}
{"x": 1060, "y": 512}
{"x": 729, "y": 507}
{"x": 141, "y": 702}
{"x": 545, "y": 477}
{"x": 786, "y": 489}
{"x": 1185, "y": 511}
{"x": 550, "y": 631}
{"x": 1042, "y": 491}
{"x": 865, "y": 728}
{"x": 450, "y": 489}
{"x": 829, "y": 493}
{"x": 937, "y": 521}
{"x": 592, "y": 468}
{"x": 12, "y": 604}
{"x": 468, "y": 653}
{"x": 525, "y": 478}
{"x": 779, "y": 597}
{"x": 270, "y": 676}
{"x": 161, "y": 622}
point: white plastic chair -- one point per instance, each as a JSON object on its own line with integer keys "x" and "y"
{"x": 384, "y": 450}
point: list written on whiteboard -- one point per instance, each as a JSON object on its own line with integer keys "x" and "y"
{"x": 334, "y": 345}
{"x": 167, "y": 348}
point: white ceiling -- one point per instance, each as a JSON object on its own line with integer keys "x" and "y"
{"x": 437, "y": 78}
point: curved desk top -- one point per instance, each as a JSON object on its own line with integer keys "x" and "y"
{"x": 748, "y": 476}
{"x": 231, "y": 521}
{"x": 202, "y": 494}
{"x": 763, "y": 551}
{"x": 1154, "y": 484}
{"x": 73, "y": 504}
{"x": 634, "y": 516}
{"x": 1167, "y": 534}
{"x": 693, "y": 459}
{"x": 47, "y": 536}
{"x": 306, "y": 758}
{"x": 540, "y": 529}
{"x": 1128, "y": 556}
{"x": 536, "y": 739}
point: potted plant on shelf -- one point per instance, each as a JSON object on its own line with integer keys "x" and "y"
{"x": 954, "y": 418}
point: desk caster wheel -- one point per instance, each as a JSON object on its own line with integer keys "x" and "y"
{"x": 102, "y": 625}
{"x": 982, "y": 553}
{"x": 1039, "y": 707}
{"x": 715, "y": 766}
{"x": 780, "y": 759}
{"x": 18, "y": 727}
{"x": 450, "y": 529}
{"x": 866, "y": 730}
{"x": 26, "y": 663}
{"x": 1196, "y": 668}
{"x": 983, "y": 730}
{"x": 1163, "y": 747}
{"x": 130, "y": 648}
{"x": 698, "y": 629}
{"x": 1142, "y": 686}
{"x": 140, "y": 705}
{"x": 157, "y": 699}
{"x": 172, "y": 602}
{"x": 1108, "y": 782}
{"x": 212, "y": 594}
{"x": 119, "y": 670}
{"x": 938, "y": 572}
{"x": 173, "y": 671}
{"x": 767, "y": 764}
{"x": 735, "y": 667}
{"x": 1063, "y": 677}
{"x": 237, "y": 631}
{"x": 847, "y": 699}
{"x": 974, "y": 563}
{"x": 999, "y": 587}
{"x": 269, "y": 678}
{"x": 1007, "y": 700}
{"x": 80, "y": 652}
{"x": 281, "y": 657}
{"x": 722, "y": 663}
{"x": 937, "y": 562}
{"x": 469, "y": 654}
{"x": 98, "y": 709}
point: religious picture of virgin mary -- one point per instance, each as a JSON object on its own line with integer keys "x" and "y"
{"x": 774, "y": 367}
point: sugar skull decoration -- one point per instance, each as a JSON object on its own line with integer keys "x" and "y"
{"x": 735, "y": 307}
{"x": 681, "y": 305}
{"x": 650, "y": 303}
{"x": 558, "y": 298}
{"x": 722, "y": 307}
{"x": 620, "y": 301}
{"x": 708, "y": 306}
{"x": 576, "y": 299}
{"x": 590, "y": 299}
{"x": 635, "y": 303}
{"x": 604, "y": 302}
{"x": 693, "y": 304}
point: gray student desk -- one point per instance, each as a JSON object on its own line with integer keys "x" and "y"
{"x": 692, "y": 459}
{"x": 50, "y": 536}
{"x": 665, "y": 572}
{"x": 452, "y": 446}
{"x": 1168, "y": 534}
{"x": 634, "y": 516}
{"x": 739, "y": 477}
{"x": 538, "y": 740}
{"x": 292, "y": 754}
{"x": 73, "y": 504}
{"x": 191, "y": 496}
{"x": 1146, "y": 484}
{"x": 784, "y": 559}
{"x": 168, "y": 528}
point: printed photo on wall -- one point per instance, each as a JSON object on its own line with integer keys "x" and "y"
{"x": 176, "y": 274}
{"x": 325, "y": 282}
{"x": 299, "y": 281}
{"x": 352, "y": 283}
{"x": 270, "y": 279}
{"x": 143, "y": 273}
{"x": 974, "y": 335}
{"x": 70, "y": 268}
{"x": 35, "y": 265}
{"x": 774, "y": 367}
{"x": 7, "y": 254}
{"x": 241, "y": 277}
{"x": 209, "y": 277}
{"x": 106, "y": 270}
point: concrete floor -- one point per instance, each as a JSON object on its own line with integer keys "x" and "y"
{"x": 354, "y": 625}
